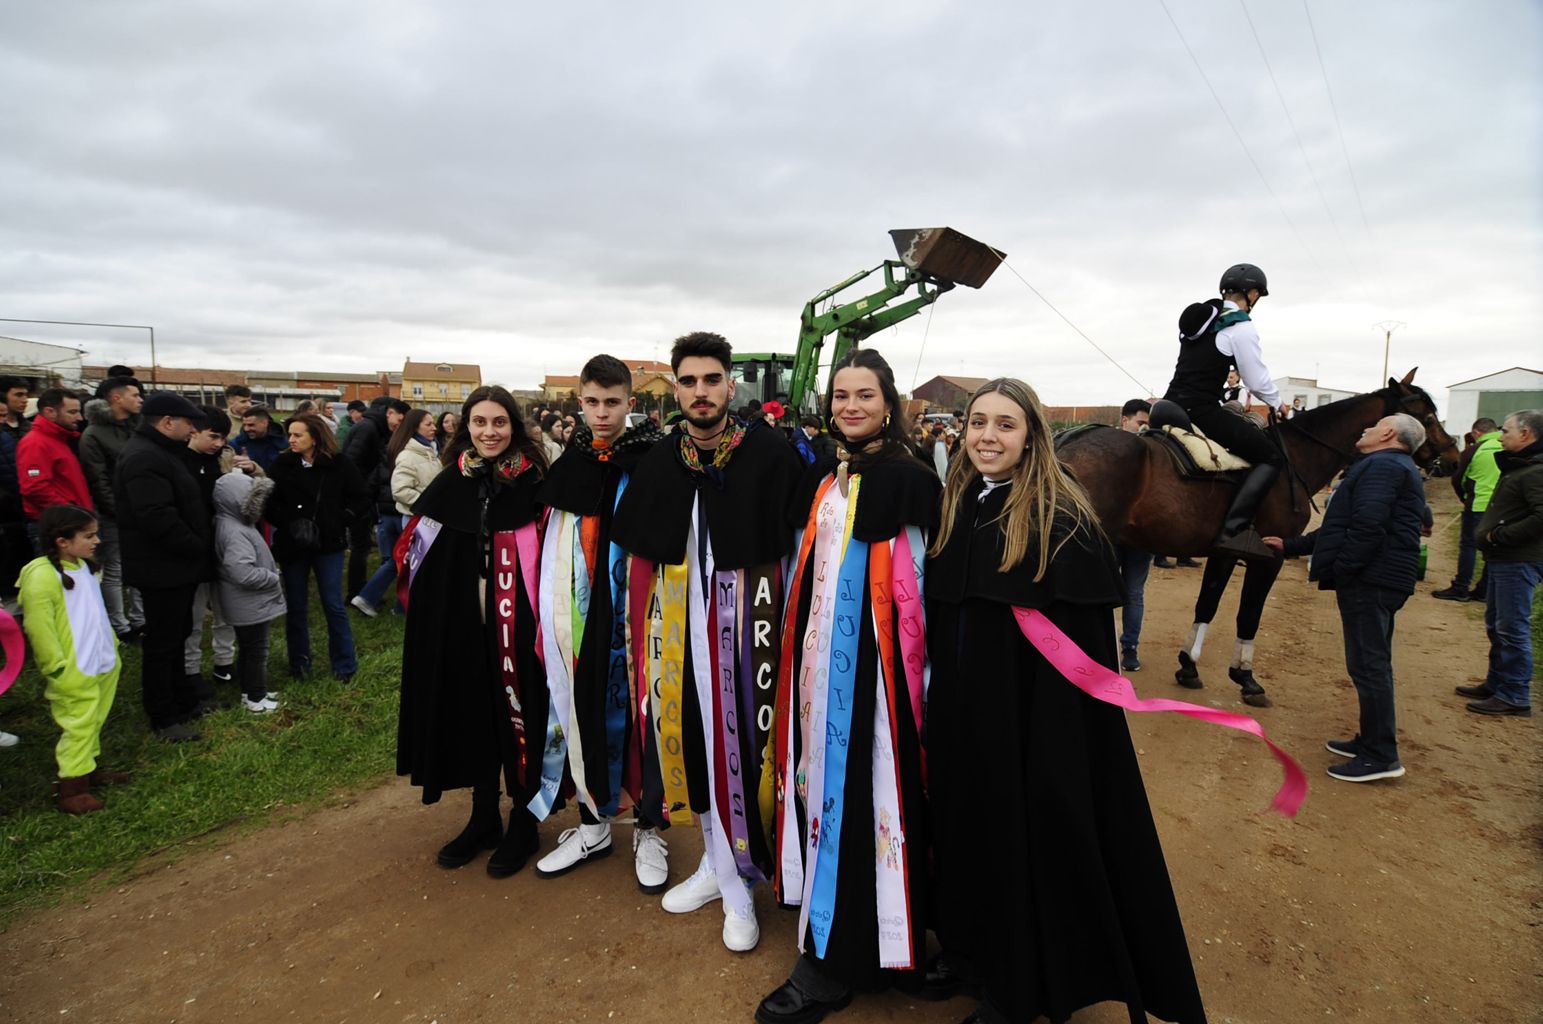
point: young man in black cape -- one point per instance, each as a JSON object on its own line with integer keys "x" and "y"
{"x": 705, "y": 519}
{"x": 587, "y": 668}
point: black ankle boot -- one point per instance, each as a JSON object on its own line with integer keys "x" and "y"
{"x": 519, "y": 842}
{"x": 482, "y": 832}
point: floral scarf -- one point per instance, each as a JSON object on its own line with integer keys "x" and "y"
{"x": 504, "y": 468}
{"x": 691, "y": 455}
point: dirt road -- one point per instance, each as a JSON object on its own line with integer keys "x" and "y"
{"x": 1411, "y": 901}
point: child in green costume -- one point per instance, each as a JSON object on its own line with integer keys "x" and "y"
{"x": 74, "y": 647}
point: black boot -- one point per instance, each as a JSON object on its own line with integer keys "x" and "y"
{"x": 482, "y": 832}
{"x": 1238, "y": 537}
{"x": 518, "y": 844}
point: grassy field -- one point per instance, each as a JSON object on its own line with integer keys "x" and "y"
{"x": 325, "y": 738}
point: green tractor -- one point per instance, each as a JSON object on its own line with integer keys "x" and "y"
{"x": 932, "y": 261}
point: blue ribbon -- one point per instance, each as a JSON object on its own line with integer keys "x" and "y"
{"x": 616, "y": 678}
{"x": 847, "y": 621}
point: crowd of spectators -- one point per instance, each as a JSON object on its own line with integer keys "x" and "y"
{"x": 187, "y": 516}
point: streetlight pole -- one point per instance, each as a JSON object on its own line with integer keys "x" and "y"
{"x": 1387, "y": 327}
{"x": 88, "y": 323}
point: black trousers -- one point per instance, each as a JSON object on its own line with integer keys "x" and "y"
{"x": 361, "y": 541}
{"x": 169, "y": 697}
{"x": 1236, "y": 434}
{"x": 252, "y": 660}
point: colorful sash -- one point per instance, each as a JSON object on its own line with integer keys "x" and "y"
{"x": 514, "y": 551}
{"x": 910, "y": 549}
{"x": 555, "y": 614}
{"x": 758, "y": 696}
{"x": 831, "y": 642}
{"x": 616, "y": 702}
{"x": 891, "y": 852}
{"x": 669, "y": 707}
{"x": 1104, "y": 685}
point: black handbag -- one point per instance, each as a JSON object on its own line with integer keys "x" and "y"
{"x": 303, "y": 535}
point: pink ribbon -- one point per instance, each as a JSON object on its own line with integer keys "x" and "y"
{"x": 1101, "y": 684}
{"x": 15, "y": 649}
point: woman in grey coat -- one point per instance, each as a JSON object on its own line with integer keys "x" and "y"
{"x": 251, "y": 591}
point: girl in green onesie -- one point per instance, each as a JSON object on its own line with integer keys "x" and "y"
{"x": 74, "y": 647}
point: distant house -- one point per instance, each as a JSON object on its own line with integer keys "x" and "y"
{"x": 279, "y": 390}
{"x": 649, "y": 377}
{"x": 1309, "y": 391}
{"x": 439, "y": 387}
{"x": 948, "y": 393}
{"x": 1495, "y": 395}
{"x": 39, "y": 364}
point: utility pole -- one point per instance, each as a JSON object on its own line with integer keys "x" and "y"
{"x": 1387, "y": 327}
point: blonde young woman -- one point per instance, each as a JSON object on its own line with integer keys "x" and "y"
{"x": 1052, "y": 893}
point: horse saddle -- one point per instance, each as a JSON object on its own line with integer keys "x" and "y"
{"x": 1194, "y": 455}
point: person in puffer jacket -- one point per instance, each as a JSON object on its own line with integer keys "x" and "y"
{"x": 251, "y": 592}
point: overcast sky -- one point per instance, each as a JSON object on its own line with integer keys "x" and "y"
{"x": 342, "y": 185}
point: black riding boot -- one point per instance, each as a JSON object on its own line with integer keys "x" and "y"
{"x": 482, "y": 832}
{"x": 1238, "y": 537}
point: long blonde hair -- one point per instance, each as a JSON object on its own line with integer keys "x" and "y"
{"x": 1041, "y": 487}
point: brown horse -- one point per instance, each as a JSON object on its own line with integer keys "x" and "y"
{"x": 1143, "y": 502}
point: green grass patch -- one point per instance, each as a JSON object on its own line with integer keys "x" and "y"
{"x": 246, "y": 771}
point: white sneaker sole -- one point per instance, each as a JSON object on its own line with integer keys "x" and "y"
{"x": 685, "y": 904}
{"x": 592, "y": 854}
{"x": 1389, "y": 773}
{"x": 743, "y": 945}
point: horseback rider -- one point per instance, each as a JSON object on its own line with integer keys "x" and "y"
{"x": 1214, "y": 336}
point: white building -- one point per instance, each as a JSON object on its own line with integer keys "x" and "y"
{"x": 1309, "y": 391}
{"x": 1495, "y": 395}
{"x": 41, "y": 364}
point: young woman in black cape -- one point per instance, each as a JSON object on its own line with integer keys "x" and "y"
{"x": 474, "y": 703}
{"x": 848, "y": 768}
{"x": 1052, "y": 892}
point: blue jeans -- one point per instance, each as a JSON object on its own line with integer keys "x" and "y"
{"x": 1508, "y": 621}
{"x": 328, "y": 567}
{"x": 1134, "y": 567}
{"x": 386, "y": 533}
{"x": 1366, "y": 615}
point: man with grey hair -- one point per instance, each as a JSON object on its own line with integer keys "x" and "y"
{"x": 1367, "y": 550}
{"x": 1511, "y": 536}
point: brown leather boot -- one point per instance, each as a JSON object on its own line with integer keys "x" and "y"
{"x": 108, "y": 777}
{"x": 74, "y": 796}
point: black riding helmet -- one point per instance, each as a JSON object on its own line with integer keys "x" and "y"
{"x": 1242, "y": 277}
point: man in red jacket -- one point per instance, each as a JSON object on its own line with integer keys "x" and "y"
{"x": 47, "y": 467}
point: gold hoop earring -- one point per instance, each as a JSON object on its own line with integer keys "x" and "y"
{"x": 886, "y": 421}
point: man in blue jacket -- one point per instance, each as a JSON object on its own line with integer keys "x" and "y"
{"x": 1367, "y": 550}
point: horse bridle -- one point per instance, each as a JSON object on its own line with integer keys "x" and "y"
{"x": 1391, "y": 404}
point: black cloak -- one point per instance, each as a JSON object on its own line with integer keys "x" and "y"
{"x": 1051, "y": 884}
{"x": 745, "y": 504}
{"x": 745, "y": 509}
{"x": 581, "y": 483}
{"x": 896, "y": 491}
{"x": 454, "y": 730}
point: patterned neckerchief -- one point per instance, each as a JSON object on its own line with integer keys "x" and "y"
{"x": 691, "y": 455}
{"x": 505, "y": 468}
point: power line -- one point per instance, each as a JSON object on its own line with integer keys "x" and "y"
{"x": 1238, "y": 135}
{"x": 1039, "y": 295}
{"x": 1301, "y": 148}
{"x": 925, "y": 331}
{"x": 1334, "y": 109}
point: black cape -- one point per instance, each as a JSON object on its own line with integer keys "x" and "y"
{"x": 746, "y": 507}
{"x": 895, "y": 493}
{"x": 1051, "y": 883}
{"x": 582, "y": 484}
{"x": 453, "y": 730}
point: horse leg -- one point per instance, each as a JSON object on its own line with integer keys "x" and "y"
{"x": 1258, "y": 578}
{"x": 1213, "y": 583}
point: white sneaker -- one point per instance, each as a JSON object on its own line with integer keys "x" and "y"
{"x": 695, "y": 892}
{"x": 740, "y": 934}
{"x": 364, "y": 606}
{"x": 260, "y": 707}
{"x": 574, "y": 847}
{"x": 650, "y": 859}
{"x": 9, "y": 739}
